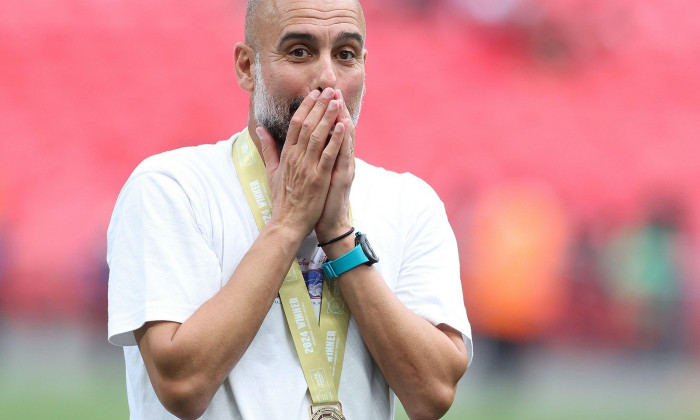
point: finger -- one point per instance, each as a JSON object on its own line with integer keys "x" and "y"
{"x": 348, "y": 147}
{"x": 300, "y": 115}
{"x": 344, "y": 112}
{"x": 330, "y": 152}
{"x": 319, "y": 137}
{"x": 269, "y": 150}
{"x": 314, "y": 116}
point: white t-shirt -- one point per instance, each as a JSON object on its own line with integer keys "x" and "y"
{"x": 182, "y": 224}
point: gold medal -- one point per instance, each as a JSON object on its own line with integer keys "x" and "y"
{"x": 327, "y": 412}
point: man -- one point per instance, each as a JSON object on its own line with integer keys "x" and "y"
{"x": 203, "y": 291}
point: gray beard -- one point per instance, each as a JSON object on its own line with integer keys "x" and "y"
{"x": 278, "y": 127}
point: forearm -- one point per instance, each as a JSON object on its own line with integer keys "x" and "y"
{"x": 419, "y": 361}
{"x": 188, "y": 362}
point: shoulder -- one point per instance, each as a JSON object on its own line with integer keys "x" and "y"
{"x": 187, "y": 162}
{"x": 185, "y": 180}
{"x": 197, "y": 172}
{"x": 380, "y": 183}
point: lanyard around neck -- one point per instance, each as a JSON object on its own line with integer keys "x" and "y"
{"x": 319, "y": 345}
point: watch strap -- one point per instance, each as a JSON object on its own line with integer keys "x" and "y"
{"x": 352, "y": 259}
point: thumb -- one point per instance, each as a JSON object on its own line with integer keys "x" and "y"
{"x": 269, "y": 150}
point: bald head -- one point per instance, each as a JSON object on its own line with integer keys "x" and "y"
{"x": 262, "y": 11}
{"x": 253, "y": 13}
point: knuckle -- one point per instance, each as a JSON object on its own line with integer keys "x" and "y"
{"x": 307, "y": 124}
{"x": 296, "y": 121}
{"x": 314, "y": 181}
{"x": 293, "y": 161}
{"x": 330, "y": 116}
{"x": 321, "y": 104}
{"x": 315, "y": 138}
{"x": 326, "y": 166}
{"x": 327, "y": 156}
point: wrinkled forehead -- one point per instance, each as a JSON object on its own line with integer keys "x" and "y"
{"x": 278, "y": 17}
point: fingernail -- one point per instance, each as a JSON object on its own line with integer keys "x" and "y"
{"x": 314, "y": 94}
{"x": 259, "y": 132}
{"x": 333, "y": 105}
{"x": 327, "y": 92}
{"x": 338, "y": 127}
{"x": 339, "y": 94}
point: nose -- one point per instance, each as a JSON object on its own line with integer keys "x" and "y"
{"x": 325, "y": 75}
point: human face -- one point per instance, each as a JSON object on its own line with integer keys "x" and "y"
{"x": 276, "y": 115}
{"x": 307, "y": 45}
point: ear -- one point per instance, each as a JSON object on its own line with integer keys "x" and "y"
{"x": 244, "y": 57}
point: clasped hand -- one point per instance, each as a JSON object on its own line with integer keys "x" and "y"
{"x": 310, "y": 179}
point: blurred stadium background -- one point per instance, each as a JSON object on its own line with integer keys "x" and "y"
{"x": 562, "y": 135}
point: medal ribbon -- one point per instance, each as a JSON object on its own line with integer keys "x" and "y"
{"x": 319, "y": 345}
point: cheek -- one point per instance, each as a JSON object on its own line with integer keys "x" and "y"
{"x": 353, "y": 98}
{"x": 281, "y": 91}
{"x": 286, "y": 85}
{"x": 290, "y": 85}
{"x": 352, "y": 91}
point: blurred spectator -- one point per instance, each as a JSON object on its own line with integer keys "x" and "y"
{"x": 587, "y": 315}
{"x": 643, "y": 266}
{"x": 94, "y": 274}
{"x": 513, "y": 284}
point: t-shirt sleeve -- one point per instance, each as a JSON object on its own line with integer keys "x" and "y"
{"x": 429, "y": 279}
{"x": 161, "y": 266}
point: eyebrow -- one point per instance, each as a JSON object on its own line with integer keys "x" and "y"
{"x": 295, "y": 36}
{"x": 350, "y": 36}
{"x": 305, "y": 36}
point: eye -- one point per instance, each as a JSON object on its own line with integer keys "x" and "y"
{"x": 346, "y": 55}
{"x": 300, "y": 52}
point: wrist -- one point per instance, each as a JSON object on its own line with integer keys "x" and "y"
{"x": 339, "y": 248}
{"x": 337, "y": 238}
{"x": 361, "y": 254}
{"x": 325, "y": 235}
{"x": 287, "y": 236}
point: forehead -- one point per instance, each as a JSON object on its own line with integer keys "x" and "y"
{"x": 312, "y": 16}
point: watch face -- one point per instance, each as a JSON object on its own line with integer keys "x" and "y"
{"x": 367, "y": 249}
